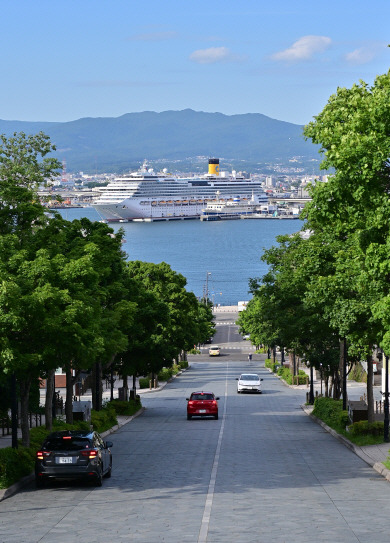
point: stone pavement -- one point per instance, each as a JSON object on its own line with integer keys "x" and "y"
{"x": 373, "y": 455}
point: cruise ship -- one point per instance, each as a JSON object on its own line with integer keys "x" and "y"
{"x": 146, "y": 195}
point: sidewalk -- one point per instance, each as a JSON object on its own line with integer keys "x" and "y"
{"x": 373, "y": 455}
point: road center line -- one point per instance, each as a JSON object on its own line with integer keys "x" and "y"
{"x": 210, "y": 494}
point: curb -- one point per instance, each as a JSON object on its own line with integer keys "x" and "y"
{"x": 16, "y": 487}
{"x": 377, "y": 466}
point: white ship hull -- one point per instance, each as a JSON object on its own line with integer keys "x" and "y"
{"x": 132, "y": 209}
{"x": 145, "y": 195}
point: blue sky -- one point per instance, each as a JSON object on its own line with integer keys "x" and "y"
{"x": 64, "y": 59}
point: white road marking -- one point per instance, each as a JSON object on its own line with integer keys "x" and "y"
{"x": 210, "y": 494}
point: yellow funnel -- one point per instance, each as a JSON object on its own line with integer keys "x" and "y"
{"x": 214, "y": 166}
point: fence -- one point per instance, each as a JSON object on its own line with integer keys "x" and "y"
{"x": 34, "y": 419}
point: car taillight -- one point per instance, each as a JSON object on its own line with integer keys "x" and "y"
{"x": 90, "y": 453}
{"x": 190, "y": 402}
{"x": 214, "y": 402}
{"x": 42, "y": 454}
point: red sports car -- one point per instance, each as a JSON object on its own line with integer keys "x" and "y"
{"x": 202, "y": 404}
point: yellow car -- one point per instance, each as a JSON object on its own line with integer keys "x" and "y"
{"x": 214, "y": 351}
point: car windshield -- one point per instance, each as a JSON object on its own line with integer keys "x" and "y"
{"x": 214, "y": 348}
{"x": 249, "y": 377}
{"x": 67, "y": 444}
{"x": 202, "y": 397}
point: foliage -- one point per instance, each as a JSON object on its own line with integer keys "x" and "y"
{"x": 358, "y": 374}
{"x": 15, "y": 464}
{"x": 165, "y": 374}
{"x": 104, "y": 419}
{"x": 273, "y": 366}
{"x": 125, "y": 408}
{"x": 365, "y": 428}
{"x": 328, "y": 410}
{"x": 144, "y": 382}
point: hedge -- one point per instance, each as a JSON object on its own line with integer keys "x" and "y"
{"x": 17, "y": 463}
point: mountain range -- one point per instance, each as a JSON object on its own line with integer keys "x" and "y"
{"x": 176, "y": 138}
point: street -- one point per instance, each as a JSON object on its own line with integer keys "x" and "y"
{"x": 264, "y": 472}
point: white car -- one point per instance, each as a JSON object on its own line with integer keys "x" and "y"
{"x": 214, "y": 351}
{"x": 249, "y": 382}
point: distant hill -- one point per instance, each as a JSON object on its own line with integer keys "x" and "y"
{"x": 122, "y": 143}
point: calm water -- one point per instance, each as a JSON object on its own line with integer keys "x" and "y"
{"x": 228, "y": 252}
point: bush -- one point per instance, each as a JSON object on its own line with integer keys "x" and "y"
{"x": 328, "y": 410}
{"x": 104, "y": 419}
{"x": 194, "y": 351}
{"x": 285, "y": 374}
{"x": 343, "y": 418}
{"x": 183, "y": 364}
{"x": 268, "y": 363}
{"x": 144, "y": 382}
{"x": 15, "y": 464}
{"x": 165, "y": 374}
{"x": 365, "y": 428}
{"x": 125, "y": 408}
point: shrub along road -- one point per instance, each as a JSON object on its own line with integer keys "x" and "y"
{"x": 263, "y": 472}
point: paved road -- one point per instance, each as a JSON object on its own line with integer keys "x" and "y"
{"x": 263, "y": 472}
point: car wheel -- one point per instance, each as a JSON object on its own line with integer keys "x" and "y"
{"x": 99, "y": 477}
{"x": 109, "y": 472}
{"x": 238, "y": 391}
{"x": 189, "y": 417}
{"x": 216, "y": 416}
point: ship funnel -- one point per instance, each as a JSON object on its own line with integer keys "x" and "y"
{"x": 214, "y": 166}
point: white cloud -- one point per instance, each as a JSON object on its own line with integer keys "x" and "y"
{"x": 213, "y": 55}
{"x": 360, "y": 56}
{"x": 304, "y": 48}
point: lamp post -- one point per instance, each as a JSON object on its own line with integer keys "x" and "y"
{"x": 311, "y": 390}
{"x": 386, "y": 403}
{"x": 345, "y": 375}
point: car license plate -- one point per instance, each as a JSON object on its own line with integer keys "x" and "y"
{"x": 65, "y": 460}
{"x": 202, "y": 410}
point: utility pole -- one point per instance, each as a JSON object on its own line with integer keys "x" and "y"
{"x": 14, "y": 412}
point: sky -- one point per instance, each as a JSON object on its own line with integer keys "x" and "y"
{"x": 63, "y": 60}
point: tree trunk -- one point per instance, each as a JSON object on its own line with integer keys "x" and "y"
{"x": 24, "y": 401}
{"x": 370, "y": 390}
{"x": 49, "y": 400}
{"x": 69, "y": 396}
{"x": 97, "y": 391}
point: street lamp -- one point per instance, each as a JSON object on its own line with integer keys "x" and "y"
{"x": 311, "y": 391}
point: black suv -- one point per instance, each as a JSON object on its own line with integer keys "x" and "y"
{"x": 73, "y": 454}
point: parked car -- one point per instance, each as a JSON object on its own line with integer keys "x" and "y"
{"x": 249, "y": 382}
{"x": 202, "y": 404}
{"x": 73, "y": 454}
{"x": 246, "y": 336}
{"x": 214, "y": 351}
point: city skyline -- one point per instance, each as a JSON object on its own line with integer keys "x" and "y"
{"x": 68, "y": 60}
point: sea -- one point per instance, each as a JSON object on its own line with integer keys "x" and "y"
{"x": 217, "y": 258}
